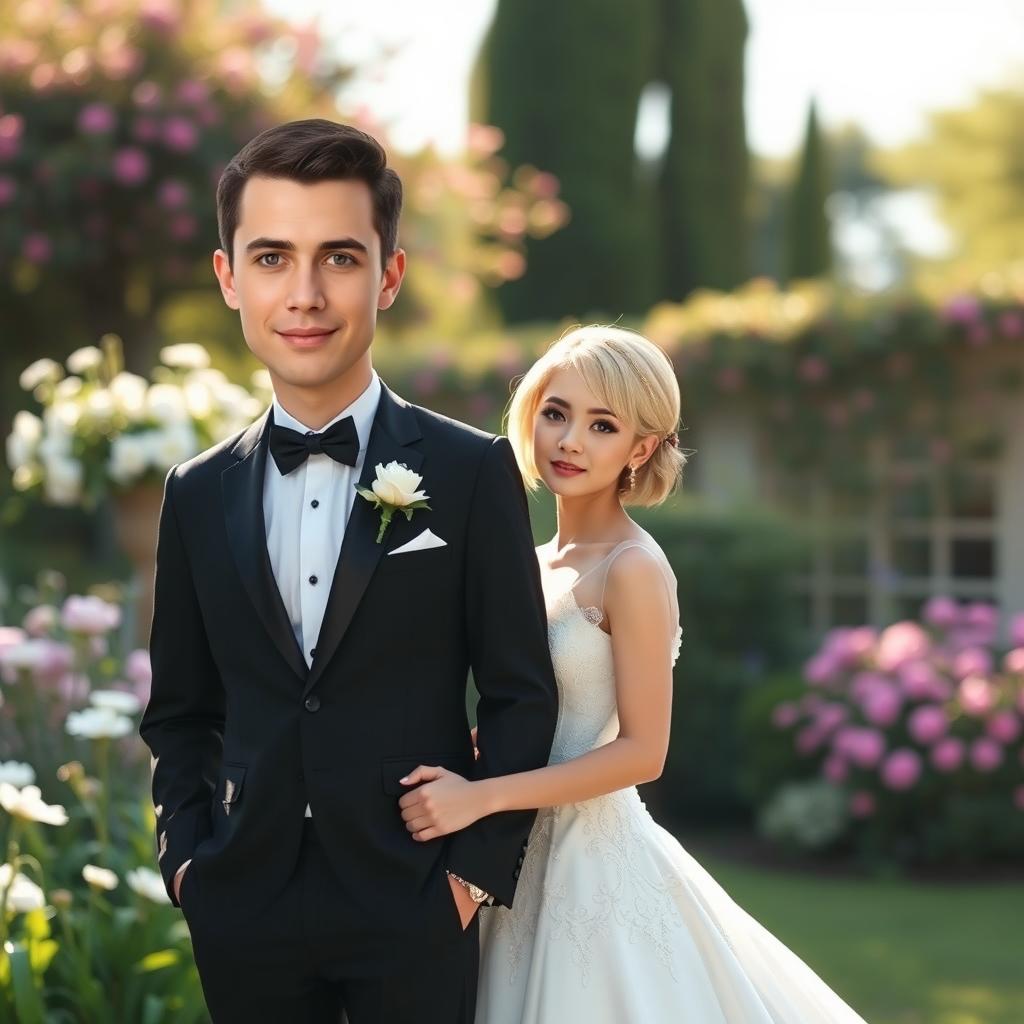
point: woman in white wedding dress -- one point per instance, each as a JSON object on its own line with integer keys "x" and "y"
{"x": 613, "y": 921}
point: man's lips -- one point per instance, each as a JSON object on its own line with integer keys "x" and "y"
{"x": 304, "y": 337}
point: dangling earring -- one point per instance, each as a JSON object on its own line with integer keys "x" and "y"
{"x": 632, "y": 478}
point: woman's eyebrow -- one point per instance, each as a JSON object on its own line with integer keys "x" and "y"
{"x": 565, "y": 405}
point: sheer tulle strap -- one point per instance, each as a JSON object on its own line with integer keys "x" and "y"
{"x": 625, "y": 546}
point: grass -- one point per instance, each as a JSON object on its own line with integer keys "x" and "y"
{"x": 897, "y": 952}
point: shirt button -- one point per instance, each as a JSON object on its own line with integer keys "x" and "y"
{"x": 315, "y": 503}
{"x": 312, "y": 652}
{"x": 313, "y": 580}
{"x": 313, "y": 703}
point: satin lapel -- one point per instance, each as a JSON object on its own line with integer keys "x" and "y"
{"x": 394, "y": 427}
{"x": 242, "y": 488}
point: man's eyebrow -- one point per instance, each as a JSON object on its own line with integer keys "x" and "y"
{"x": 565, "y": 405}
{"x": 286, "y": 246}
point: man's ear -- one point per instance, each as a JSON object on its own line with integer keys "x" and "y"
{"x": 394, "y": 271}
{"x": 225, "y": 278}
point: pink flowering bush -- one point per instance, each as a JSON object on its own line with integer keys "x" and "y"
{"x": 921, "y": 727}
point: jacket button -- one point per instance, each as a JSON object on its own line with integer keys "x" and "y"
{"x": 520, "y": 861}
{"x": 313, "y": 703}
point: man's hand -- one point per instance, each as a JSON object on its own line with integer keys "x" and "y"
{"x": 464, "y": 902}
{"x": 178, "y": 876}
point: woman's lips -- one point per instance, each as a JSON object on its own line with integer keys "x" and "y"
{"x": 566, "y": 469}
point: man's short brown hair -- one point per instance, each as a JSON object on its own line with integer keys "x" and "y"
{"x": 310, "y": 151}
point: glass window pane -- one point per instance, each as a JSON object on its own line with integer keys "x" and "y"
{"x": 911, "y": 498}
{"x": 974, "y": 558}
{"x": 972, "y": 495}
{"x": 849, "y": 556}
{"x": 911, "y": 556}
{"x": 848, "y": 609}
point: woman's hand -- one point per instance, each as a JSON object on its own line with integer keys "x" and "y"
{"x": 443, "y": 802}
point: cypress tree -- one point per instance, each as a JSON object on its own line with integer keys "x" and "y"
{"x": 808, "y": 238}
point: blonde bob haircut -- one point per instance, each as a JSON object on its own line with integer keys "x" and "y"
{"x": 632, "y": 377}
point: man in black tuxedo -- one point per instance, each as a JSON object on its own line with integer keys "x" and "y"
{"x": 301, "y": 667}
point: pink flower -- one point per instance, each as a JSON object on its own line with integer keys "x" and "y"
{"x": 41, "y": 620}
{"x": 862, "y": 804}
{"x": 37, "y": 248}
{"x": 812, "y": 369}
{"x": 173, "y": 194}
{"x": 97, "y": 119}
{"x": 89, "y": 615}
{"x": 147, "y": 95}
{"x": 849, "y": 646}
{"x": 1011, "y": 324}
{"x": 1017, "y": 630}
{"x": 927, "y": 724}
{"x": 978, "y": 334}
{"x": 1014, "y": 661}
{"x": 983, "y": 617}
{"x": 835, "y": 769}
{"x": 8, "y": 189}
{"x": 12, "y": 127}
{"x": 820, "y": 669}
{"x": 941, "y": 611}
{"x": 192, "y": 91}
{"x": 808, "y": 739}
{"x": 920, "y": 681}
{"x": 830, "y": 716}
{"x": 948, "y": 754}
{"x": 785, "y": 715}
{"x": 864, "y": 684}
{"x": 180, "y": 134}
{"x": 131, "y": 166}
{"x": 975, "y": 661}
{"x": 986, "y": 754}
{"x": 863, "y": 746}
{"x": 11, "y": 636}
{"x": 882, "y": 706}
{"x": 901, "y": 769}
{"x": 137, "y": 667}
{"x": 1003, "y": 726}
{"x": 962, "y": 309}
{"x": 901, "y": 642}
{"x": 56, "y": 659}
{"x": 977, "y": 696}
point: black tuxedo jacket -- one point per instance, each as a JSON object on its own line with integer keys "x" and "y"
{"x": 243, "y": 734}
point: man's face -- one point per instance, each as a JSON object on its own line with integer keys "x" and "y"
{"x": 307, "y": 278}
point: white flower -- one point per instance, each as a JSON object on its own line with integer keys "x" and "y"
{"x": 261, "y": 379}
{"x": 166, "y": 403}
{"x": 23, "y": 440}
{"x": 61, "y": 418}
{"x": 23, "y": 895}
{"x": 28, "y": 654}
{"x": 116, "y": 700}
{"x": 129, "y": 457}
{"x": 39, "y": 372}
{"x": 396, "y": 485}
{"x": 84, "y": 359}
{"x": 129, "y": 393}
{"x": 148, "y": 883}
{"x": 68, "y": 388}
{"x": 172, "y": 445}
{"x": 63, "y": 481}
{"x": 100, "y": 878}
{"x": 27, "y": 803}
{"x": 17, "y": 773}
{"x": 98, "y": 723}
{"x": 394, "y": 490}
{"x": 100, "y": 405}
{"x": 41, "y": 620}
{"x": 186, "y": 356}
{"x": 198, "y": 399}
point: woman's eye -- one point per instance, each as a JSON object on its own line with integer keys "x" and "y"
{"x": 605, "y": 427}
{"x": 551, "y": 414}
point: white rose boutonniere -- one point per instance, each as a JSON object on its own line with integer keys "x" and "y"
{"x": 394, "y": 490}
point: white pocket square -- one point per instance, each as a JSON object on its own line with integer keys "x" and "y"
{"x": 421, "y": 542}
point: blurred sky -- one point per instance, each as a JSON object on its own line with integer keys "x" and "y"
{"x": 882, "y": 63}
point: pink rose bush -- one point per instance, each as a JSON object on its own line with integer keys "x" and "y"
{"x": 921, "y": 727}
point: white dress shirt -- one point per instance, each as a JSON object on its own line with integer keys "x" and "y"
{"x": 306, "y": 513}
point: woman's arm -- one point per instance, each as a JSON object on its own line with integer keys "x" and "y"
{"x": 639, "y": 610}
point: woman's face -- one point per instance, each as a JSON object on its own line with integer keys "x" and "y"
{"x": 580, "y": 446}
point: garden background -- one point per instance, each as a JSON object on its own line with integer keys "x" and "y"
{"x": 843, "y": 302}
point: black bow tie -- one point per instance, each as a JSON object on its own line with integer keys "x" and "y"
{"x": 290, "y": 449}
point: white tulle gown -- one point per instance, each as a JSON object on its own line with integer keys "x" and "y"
{"x": 614, "y": 922}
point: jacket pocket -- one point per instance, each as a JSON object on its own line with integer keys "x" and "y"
{"x": 396, "y": 767}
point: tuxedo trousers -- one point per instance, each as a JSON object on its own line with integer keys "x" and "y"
{"x": 296, "y": 964}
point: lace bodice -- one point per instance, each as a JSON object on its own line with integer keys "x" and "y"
{"x": 581, "y": 653}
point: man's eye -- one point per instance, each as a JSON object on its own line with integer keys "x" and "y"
{"x": 269, "y": 256}
{"x": 341, "y": 256}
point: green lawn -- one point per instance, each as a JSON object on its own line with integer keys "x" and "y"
{"x": 898, "y": 952}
